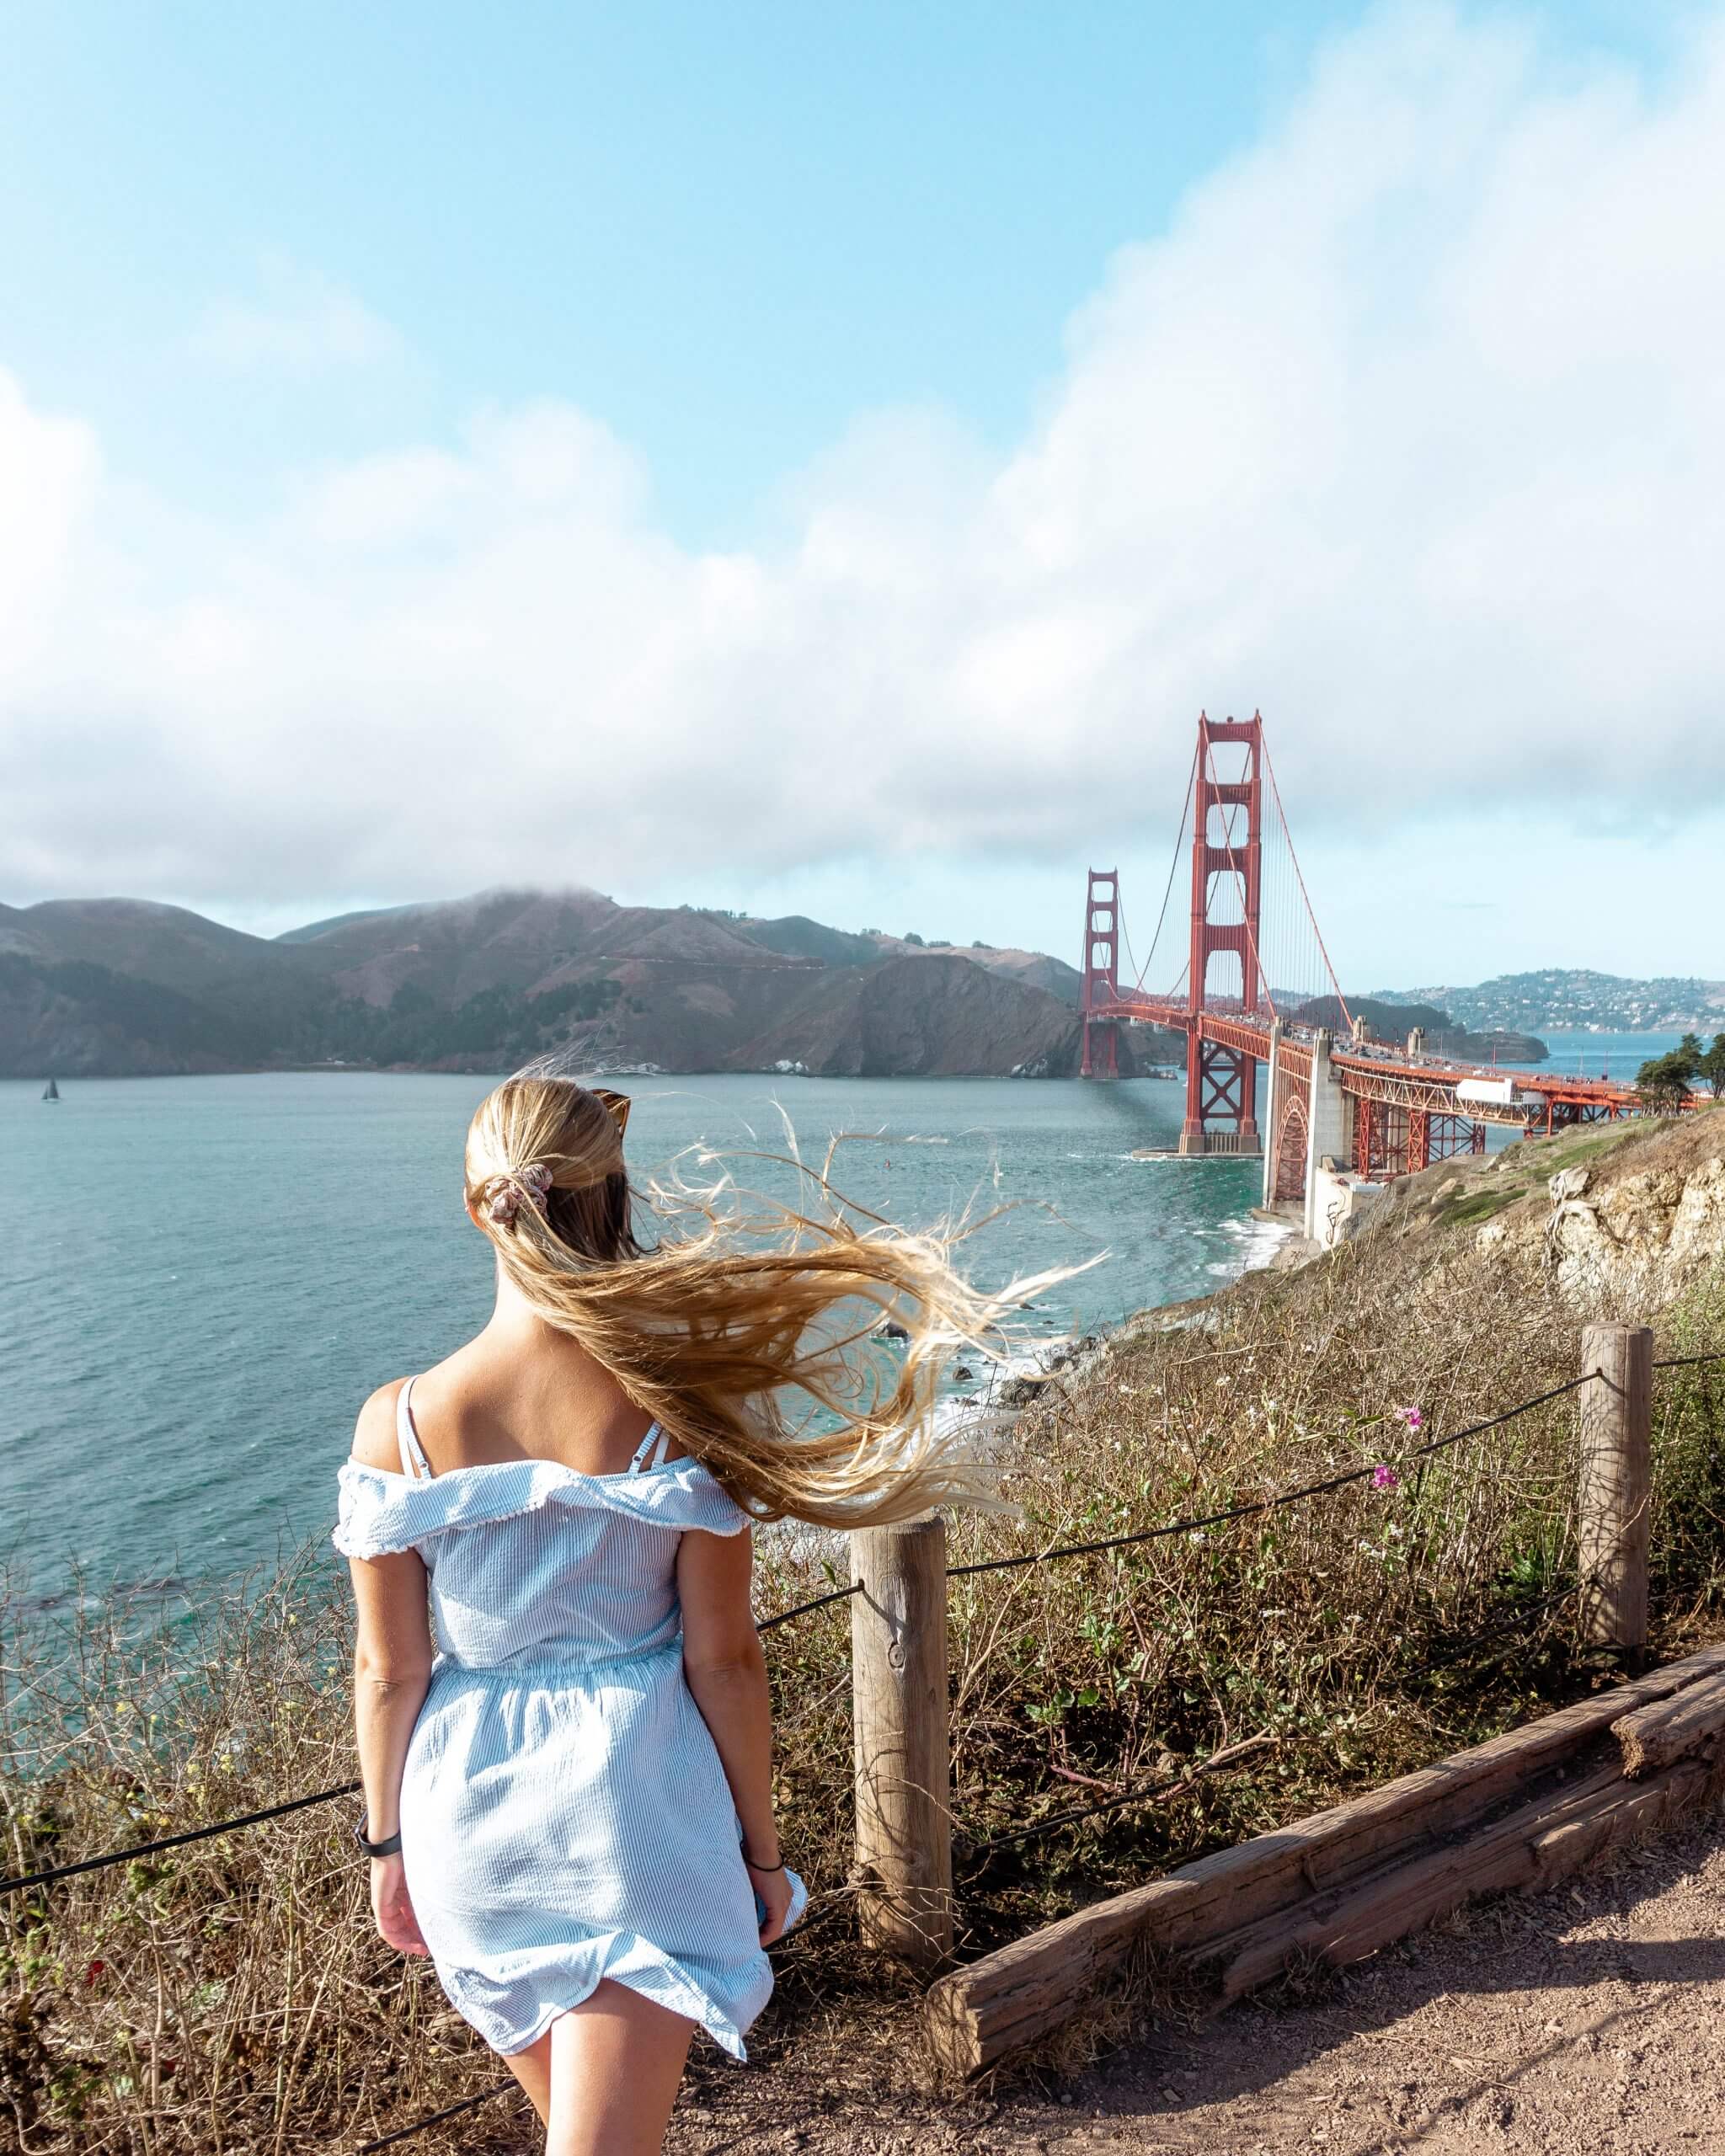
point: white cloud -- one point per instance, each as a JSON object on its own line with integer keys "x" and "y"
{"x": 303, "y": 326}
{"x": 1409, "y": 429}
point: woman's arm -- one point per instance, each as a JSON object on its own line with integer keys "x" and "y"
{"x": 391, "y": 1671}
{"x": 727, "y": 1673}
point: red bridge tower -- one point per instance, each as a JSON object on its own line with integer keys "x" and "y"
{"x": 1227, "y": 853}
{"x": 1100, "y": 985}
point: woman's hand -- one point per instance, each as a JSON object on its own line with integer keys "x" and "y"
{"x": 392, "y": 1906}
{"x": 774, "y": 1888}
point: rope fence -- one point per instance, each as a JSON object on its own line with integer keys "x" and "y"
{"x": 1264, "y": 1504}
{"x": 971, "y": 1849}
{"x": 1192, "y": 1526}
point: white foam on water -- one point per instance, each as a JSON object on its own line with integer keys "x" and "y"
{"x": 1254, "y": 1243}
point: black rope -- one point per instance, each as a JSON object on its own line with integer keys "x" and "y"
{"x": 295, "y": 1804}
{"x": 801, "y": 1608}
{"x": 175, "y": 1841}
{"x": 1193, "y": 1526}
{"x": 436, "y": 2118}
{"x": 1262, "y": 1504}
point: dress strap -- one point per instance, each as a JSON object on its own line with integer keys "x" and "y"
{"x": 651, "y": 1450}
{"x": 414, "y": 1462}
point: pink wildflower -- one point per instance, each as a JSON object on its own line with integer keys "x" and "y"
{"x": 1385, "y": 1478}
{"x": 1412, "y": 1417}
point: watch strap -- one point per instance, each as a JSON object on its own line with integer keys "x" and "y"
{"x": 389, "y": 1846}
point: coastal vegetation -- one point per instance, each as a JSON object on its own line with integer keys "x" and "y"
{"x": 231, "y": 1995}
{"x": 1666, "y": 1081}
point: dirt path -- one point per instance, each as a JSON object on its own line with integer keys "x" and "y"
{"x": 1590, "y": 2022}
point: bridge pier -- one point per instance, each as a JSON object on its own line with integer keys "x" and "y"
{"x": 1222, "y": 1086}
{"x": 1274, "y": 1087}
{"x": 1327, "y": 1136}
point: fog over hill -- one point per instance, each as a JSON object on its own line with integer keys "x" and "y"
{"x": 122, "y": 986}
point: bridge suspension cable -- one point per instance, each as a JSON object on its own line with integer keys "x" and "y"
{"x": 1168, "y": 888}
{"x": 1295, "y": 977}
{"x": 1286, "y": 911}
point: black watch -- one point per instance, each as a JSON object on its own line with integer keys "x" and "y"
{"x": 389, "y": 1846}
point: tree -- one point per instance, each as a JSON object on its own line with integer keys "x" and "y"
{"x": 1662, "y": 1082}
{"x": 1711, "y": 1066}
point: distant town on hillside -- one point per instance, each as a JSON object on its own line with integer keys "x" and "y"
{"x": 1559, "y": 999}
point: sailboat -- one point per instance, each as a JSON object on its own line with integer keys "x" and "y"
{"x": 51, "y": 1091}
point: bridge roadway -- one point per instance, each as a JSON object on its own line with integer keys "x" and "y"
{"x": 1342, "y": 1116}
{"x": 1373, "y": 1070}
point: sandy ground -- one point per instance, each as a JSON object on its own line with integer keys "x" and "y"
{"x": 1587, "y": 2021}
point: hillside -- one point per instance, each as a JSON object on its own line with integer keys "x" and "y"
{"x": 120, "y": 987}
{"x": 1392, "y": 1019}
{"x": 1559, "y": 997}
{"x": 1620, "y": 1220}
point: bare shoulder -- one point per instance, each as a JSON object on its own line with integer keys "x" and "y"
{"x": 374, "y": 1433}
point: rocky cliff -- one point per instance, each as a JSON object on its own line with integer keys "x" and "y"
{"x": 1619, "y": 1219}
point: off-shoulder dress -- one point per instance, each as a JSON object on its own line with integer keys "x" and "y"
{"x": 564, "y": 1814}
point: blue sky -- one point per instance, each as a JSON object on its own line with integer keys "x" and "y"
{"x": 818, "y": 459}
{"x": 727, "y": 230}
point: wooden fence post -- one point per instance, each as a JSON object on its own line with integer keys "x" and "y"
{"x": 904, "y": 1771}
{"x": 1616, "y": 1477}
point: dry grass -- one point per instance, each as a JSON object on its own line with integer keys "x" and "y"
{"x": 231, "y": 1995}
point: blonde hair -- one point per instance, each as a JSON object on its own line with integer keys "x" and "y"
{"x": 737, "y": 1305}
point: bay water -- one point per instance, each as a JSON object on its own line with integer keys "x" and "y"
{"x": 1584, "y": 1053}
{"x": 201, "y": 1278}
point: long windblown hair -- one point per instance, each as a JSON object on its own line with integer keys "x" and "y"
{"x": 749, "y": 1330}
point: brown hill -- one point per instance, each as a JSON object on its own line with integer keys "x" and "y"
{"x": 119, "y": 986}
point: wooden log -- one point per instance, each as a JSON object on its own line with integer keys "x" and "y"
{"x": 903, "y": 1760}
{"x": 1530, "y": 1848}
{"x": 1018, "y": 1994}
{"x": 1615, "y": 1483}
{"x": 1636, "y": 1808}
{"x": 1404, "y": 1895}
{"x": 1668, "y": 1729}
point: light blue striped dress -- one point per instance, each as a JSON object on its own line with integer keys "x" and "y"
{"x": 564, "y": 1815}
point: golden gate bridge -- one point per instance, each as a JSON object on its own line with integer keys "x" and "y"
{"x": 1256, "y": 991}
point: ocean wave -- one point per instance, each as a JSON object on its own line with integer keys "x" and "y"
{"x": 1255, "y": 1244}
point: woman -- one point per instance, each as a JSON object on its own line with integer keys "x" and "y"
{"x": 566, "y": 1757}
